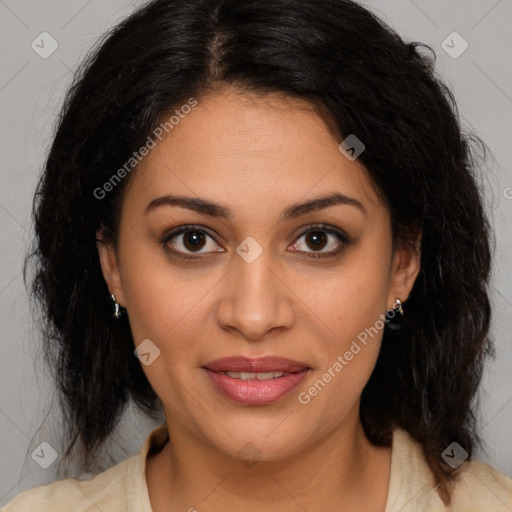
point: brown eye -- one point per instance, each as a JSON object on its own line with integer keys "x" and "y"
{"x": 317, "y": 238}
{"x": 188, "y": 242}
{"x": 193, "y": 240}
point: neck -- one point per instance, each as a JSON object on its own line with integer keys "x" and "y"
{"x": 343, "y": 467}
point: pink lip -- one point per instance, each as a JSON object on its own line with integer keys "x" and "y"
{"x": 253, "y": 391}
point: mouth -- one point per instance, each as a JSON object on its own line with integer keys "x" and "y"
{"x": 259, "y": 381}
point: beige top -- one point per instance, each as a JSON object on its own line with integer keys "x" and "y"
{"x": 411, "y": 487}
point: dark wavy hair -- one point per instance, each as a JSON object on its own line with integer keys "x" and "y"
{"x": 364, "y": 79}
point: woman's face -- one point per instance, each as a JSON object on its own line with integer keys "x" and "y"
{"x": 257, "y": 286}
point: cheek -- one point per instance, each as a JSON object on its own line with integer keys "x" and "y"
{"x": 351, "y": 299}
{"x": 164, "y": 304}
{"x": 170, "y": 312}
{"x": 334, "y": 388}
{"x": 349, "y": 308}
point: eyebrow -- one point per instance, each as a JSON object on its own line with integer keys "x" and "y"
{"x": 208, "y": 208}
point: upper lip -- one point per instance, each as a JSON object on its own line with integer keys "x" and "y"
{"x": 255, "y": 365}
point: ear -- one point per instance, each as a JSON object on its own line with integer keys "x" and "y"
{"x": 110, "y": 267}
{"x": 405, "y": 268}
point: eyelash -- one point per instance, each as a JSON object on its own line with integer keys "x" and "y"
{"x": 342, "y": 238}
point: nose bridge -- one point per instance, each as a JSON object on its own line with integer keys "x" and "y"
{"x": 256, "y": 301}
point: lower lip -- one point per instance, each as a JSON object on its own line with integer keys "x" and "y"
{"x": 256, "y": 392}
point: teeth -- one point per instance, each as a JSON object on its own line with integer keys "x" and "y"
{"x": 265, "y": 376}
{"x": 254, "y": 375}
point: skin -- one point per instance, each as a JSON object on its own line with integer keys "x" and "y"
{"x": 256, "y": 156}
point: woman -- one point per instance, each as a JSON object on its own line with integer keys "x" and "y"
{"x": 262, "y": 218}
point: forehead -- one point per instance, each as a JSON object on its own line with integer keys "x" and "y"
{"x": 239, "y": 149}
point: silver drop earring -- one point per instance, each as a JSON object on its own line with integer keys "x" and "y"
{"x": 394, "y": 323}
{"x": 117, "y": 311}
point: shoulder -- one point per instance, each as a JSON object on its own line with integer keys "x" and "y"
{"x": 105, "y": 491}
{"x": 482, "y": 487}
{"x": 479, "y": 487}
{"x": 121, "y": 487}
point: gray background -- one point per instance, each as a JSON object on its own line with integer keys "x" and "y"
{"x": 31, "y": 92}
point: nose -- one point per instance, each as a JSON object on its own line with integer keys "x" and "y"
{"x": 255, "y": 299}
